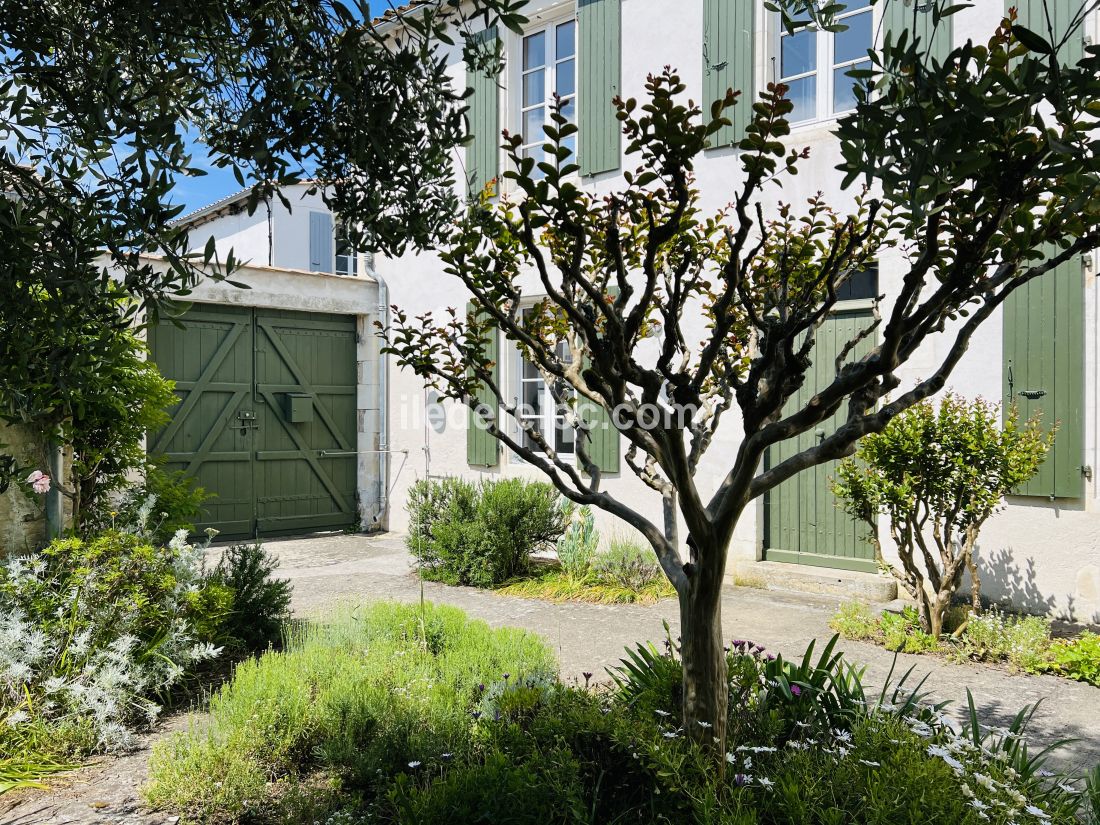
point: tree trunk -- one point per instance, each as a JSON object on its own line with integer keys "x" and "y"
{"x": 936, "y": 614}
{"x": 706, "y": 677}
{"x": 972, "y": 566}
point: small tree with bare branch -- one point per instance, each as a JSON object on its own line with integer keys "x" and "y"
{"x": 972, "y": 168}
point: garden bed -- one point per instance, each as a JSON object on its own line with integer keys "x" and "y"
{"x": 554, "y": 584}
{"x": 415, "y": 714}
{"x": 1023, "y": 643}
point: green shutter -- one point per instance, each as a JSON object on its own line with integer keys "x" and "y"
{"x": 729, "y": 62}
{"x": 599, "y": 24}
{"x": 482, "y": 449}
{"x": 603, "y": 444}
{"x": 1044, "y": 371}
{"x": 899, "y": 16}
{"x": 483, "y": 151}
{"x": 1033, "y": 14}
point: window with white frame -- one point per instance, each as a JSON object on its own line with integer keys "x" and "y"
{"x": 814, "y": 64}
{"x": 548, "y": 67}
{"x": 347, "y": 257}
{"x": 538, "y": 407}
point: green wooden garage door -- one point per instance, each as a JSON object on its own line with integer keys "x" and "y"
{"x": 802, "y": 523}
{"x": 266, "y": 419}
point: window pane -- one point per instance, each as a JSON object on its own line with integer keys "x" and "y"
{"x": 530, "y": 370}
{"x": 534, "y": 88}
{"x": 803, "y": 94}
{"x": 563, "y": 438}
{"x": 853, "y": 43}
{"x": 533, "y": 122}
{"x": 566, "y": 81}
{"x": 799, "y": 53}
{"x": 534, "y": 50}
{"x": 532, "y": 398}
{"x": 844, "y": 99}
{"x": 566, "y": 38}
{"x": 569, "y": 109}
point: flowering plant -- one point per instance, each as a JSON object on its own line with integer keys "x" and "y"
{"x": 92, "y": 632}
{"x": 39, "y": 481}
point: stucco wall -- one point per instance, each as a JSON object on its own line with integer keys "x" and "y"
{"x": 1041, "y": 556}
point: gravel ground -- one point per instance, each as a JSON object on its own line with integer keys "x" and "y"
{"x": 328, "y": 571}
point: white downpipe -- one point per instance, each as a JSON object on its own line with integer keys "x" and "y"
{"x": 382, "y": 518}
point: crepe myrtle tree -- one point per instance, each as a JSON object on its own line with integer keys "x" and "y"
{"x": 982, "y": 170}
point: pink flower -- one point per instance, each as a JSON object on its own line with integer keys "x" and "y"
{"x": 39, "y": 481}
{"x": 796, "y": 690}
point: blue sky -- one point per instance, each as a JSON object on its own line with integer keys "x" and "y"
{"x": 195, "y": 193}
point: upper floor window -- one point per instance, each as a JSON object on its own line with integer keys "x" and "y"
{"x": 815, "y": 63}
{"x": 347, "y": 258}
{"x": 549, "y": 67}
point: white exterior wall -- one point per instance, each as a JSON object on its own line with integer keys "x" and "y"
{"x": 273, "y": 235}
{"x": 1041, "y": 556}
{"x": 246, "y": 235}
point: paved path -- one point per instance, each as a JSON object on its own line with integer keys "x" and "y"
{"x": 333, "y": 570}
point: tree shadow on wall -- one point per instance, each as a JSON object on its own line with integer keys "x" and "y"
{"x": 1003, "y": 580}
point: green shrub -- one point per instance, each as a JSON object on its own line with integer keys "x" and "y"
{"x": 558, "y": 586}
{"x": 160, "y": 506}
{"x": 902, "y": 632}
{"x": 360, "y": 697}
{"x": 578, "y": 544}
{"x": 1022, "y": 641}
{"x": 1078, "y": 658}
{"x": 481, "y": 534}
{"x": 92, "y": 632}
{"x": 939, "y": 472}
{"x": 627, "y": 564}
{"x": 261, "y": 603}
{"x": 856, "y": 620}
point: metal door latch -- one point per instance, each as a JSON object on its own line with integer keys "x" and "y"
{"x": 1032, "y": 395}
{"x": 246, "y": 420}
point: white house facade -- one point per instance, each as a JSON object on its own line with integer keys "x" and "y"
{"x": 1042, "y": 553}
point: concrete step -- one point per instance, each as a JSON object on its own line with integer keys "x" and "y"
{"x": 820, "y": 581}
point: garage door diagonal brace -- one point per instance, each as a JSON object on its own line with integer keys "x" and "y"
{"x": 300, "y": 377}
{"x": 311, "y": 459}
{"x": 189, "y": 403}
{"x": 214, "y": 431}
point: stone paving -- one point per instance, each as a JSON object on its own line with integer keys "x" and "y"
{"x": 329, "y": 571}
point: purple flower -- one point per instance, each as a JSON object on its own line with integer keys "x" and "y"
{"x": 741, "y": 780}
{"x": 587, "y": 677}
{"x": 476, "y": 714}
{"x": 770, "y": 657}
{"x": 506, "y": 676}
{"x": 796, "y": 690}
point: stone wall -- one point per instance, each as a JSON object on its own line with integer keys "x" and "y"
{"x": 22, "y": 520}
